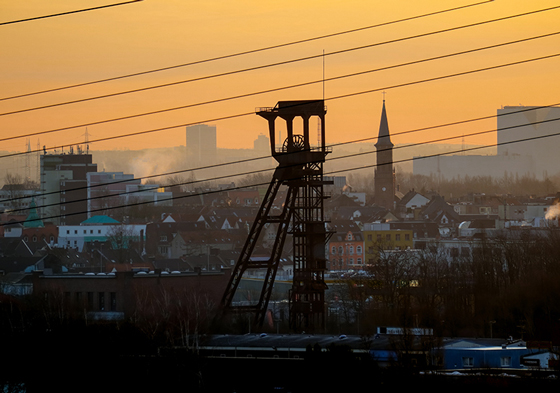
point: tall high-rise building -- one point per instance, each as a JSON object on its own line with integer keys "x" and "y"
{"x": 526, "y": 131}
{"x": 201, "y": 144}
{"x": 64, "y": 187}
{"x": 384, "y": 173}
{"x": 261, "y": 145}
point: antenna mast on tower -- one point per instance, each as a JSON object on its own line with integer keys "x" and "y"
{"x": 38, "y": 162}
{"x": 86, "y": 140}
{"x": 28, "y": 161}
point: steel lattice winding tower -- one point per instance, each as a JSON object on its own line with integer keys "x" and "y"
{"x": 301, "y": 170}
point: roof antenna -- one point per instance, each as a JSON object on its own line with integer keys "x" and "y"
{"x": 323, "y": 75}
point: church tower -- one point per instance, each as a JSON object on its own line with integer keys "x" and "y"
{"x": 384, "y": 172}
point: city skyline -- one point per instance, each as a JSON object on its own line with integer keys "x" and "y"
{"x": 115, "y": 41}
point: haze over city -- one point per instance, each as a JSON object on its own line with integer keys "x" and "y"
{"x": 54, "y": 52}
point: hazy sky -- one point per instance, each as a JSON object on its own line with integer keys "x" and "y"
{"x": 76, "y": 48}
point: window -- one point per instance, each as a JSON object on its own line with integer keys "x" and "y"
{"x": 351, "y": 261}
{"x": 378, "y": 238}
{"x": 90, "y": 300}
{"x": 68, "y": 231}
{"x": 349, "y": 236}
{"x": 340, "y": 250}
{"x": 91, "y": 231}
{"x": 351, "y": 250}
{"x": 369, "y": 237}
{"x": 359, "y": 261}
{"x": 113, "y": 298}
{"x": 407, "y": 237}
{"x": 358, "y": 250}
{"x": 388, "y": 237}
{"x": 398, "y": 237}
{"x": 333, "y": 250}
{"x": 505, "y": 361}
{"x": 468, "y": 362}
{"x": 99, "y": 231}
{"x": 75, "y": 231}
{"x": 101, "y": 303}
{"x": 85, "y": 231}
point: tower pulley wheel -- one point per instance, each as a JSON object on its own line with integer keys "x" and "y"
{"x": 298, "y": 143}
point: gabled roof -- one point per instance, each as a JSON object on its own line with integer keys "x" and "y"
{"x": 437, "y": 205}
{"x": 409, "y": 196}
{"x": 341, "y": 200}
{"x": 100, "y": 220}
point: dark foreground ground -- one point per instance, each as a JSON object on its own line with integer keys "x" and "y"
{"x": 56, "y": 371}
{"x": 105, "y": 359}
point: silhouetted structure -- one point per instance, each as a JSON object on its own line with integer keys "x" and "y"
{"x": 301, "y": 170}
{"x": 384, "y": 172}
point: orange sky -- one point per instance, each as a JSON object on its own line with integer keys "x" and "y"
{"x": 70, "y": 49}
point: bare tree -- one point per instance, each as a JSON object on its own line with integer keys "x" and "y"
{"x": 121, "y": 239}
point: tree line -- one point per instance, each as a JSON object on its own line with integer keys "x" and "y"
{"x": 500, "y": 287}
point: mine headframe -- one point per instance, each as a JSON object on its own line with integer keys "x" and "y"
{"x": 300, "y": 169}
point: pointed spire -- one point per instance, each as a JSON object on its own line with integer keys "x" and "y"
{"x": 384, "y": 138}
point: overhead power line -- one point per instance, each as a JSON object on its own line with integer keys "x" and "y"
{"x": 246, "y": 160}
{"x": 272, "y": 64}
{"x": 352, "y": 155}
{"x": 267, "y": 183}
{"x": 213, "y": 166}
{"x": 237, "y": 54}
{"x": 68, "y": 12}
{"x": 245, "y": 95}
{"x": 136, "y": 133}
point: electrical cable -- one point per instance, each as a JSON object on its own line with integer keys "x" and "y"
{"x": 328, "y": 99}
{"x": 247, "y": 52}
{"x": 213, "y": 166}
{"x": 245, "y": 95}
{"x": 267, "y": 183}
{"x": 332, "y": 159}
{"x": 68, "y": 12}
{"x": 268, "y": 65}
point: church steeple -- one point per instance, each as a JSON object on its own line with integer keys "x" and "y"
{"x": 384, "y": 138}
{"x": 384, "y": 173}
